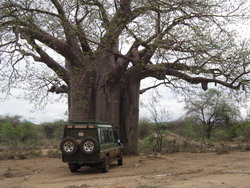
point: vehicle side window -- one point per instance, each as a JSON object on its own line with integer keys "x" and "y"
{"x": 111, "y": 137}
{"x": 102, "y": 135}
{"x": 106, "y": 136}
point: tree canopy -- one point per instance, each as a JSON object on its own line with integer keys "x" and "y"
{"x": 186, "y": 40}
{"x": 98, "y": 51}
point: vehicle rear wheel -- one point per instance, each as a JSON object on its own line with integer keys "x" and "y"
{"x": 89, "y": 145}
{"x": 105, "y": 165}
{"x": 69, "y": 146}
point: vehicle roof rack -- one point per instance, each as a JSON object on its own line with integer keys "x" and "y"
{"x": 89, "y": 122}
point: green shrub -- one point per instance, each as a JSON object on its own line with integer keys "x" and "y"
{"x": 145, "y": 145}
{"x": 246, "y": 133}
{"x": 53, "y": 130}
{"x": 144, "y": 129}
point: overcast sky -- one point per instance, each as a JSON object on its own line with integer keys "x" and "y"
{"x": 23, "y": 108}
{"x": 57, "y": 110}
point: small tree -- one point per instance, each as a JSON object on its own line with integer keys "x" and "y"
{"x": 53, "y": 129}
{"x": 158, "y": 116}
{"x": 211, "y": 111}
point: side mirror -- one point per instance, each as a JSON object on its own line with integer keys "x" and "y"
{"x": 119, "y": 142}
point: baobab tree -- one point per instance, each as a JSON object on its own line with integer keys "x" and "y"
{"x": 98, "y": 51}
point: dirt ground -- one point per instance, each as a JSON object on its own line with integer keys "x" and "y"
{"x": 205, "y": 170}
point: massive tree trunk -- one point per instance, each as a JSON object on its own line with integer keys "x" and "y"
{"x": 93, "y": 96}
{"x": 129, "y": 110}
{"x": 81, "y": 93}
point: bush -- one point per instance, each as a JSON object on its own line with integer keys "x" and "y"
{"x": 224, "y": 149}
{"x": 16, "y": 134}
{"x": 7, "y": 156}
{"x": 53, "y": 129}
{"x": 146, "y": 145}
{"x": 20, "y": 154}
{"x": 246, "y": 133}
{"x": 145, "y": 128}
{"x": 171, "y": 143}
{"x": 247, "y": 148}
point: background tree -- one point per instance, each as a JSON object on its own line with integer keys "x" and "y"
{"x": 15, "y": 131}
{"x": 97, "y": 52}
{"x": 54, "y": 130}
{"x": 211, "y": 110}
{"x": 158, "y": 116}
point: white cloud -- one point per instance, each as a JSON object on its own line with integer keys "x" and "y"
{"x": 22, "y": 108}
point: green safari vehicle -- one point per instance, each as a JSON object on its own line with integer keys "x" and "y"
{"x": 91, "y": 144}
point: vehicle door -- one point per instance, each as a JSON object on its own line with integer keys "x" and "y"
{"x": 108, "y": 144}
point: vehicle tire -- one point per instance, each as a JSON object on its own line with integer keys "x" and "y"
{"x": 120, "y": 160}
{"x": 89, "y": 145}
{"x": 105, "y": 165}
{"x": 73, "y": 170}
{"x": 69, "y": 146}
{"x": 73, "y": 167}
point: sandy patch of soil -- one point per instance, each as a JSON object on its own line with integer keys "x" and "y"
{"x": 180, "y": 170}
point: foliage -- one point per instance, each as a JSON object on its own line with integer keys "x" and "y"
{"x": 211, "y": 110}
{"x": 245, "y": 131}
{"x": 158, "y": 115}
{"x": 145, "y": 128}
{"x": 14, "y": 130}
{"x": 54, "y": 129}
{"x": 186, "y": 36}
{"x": 183, "y": 136}
{"x": 169, "y": 144}
{"x": 18, "y": 133}
{"x": 184, "y": 127}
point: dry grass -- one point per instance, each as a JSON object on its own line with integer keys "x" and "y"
{"x": 20, "y": 154}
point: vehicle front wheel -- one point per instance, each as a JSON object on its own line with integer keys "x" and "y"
{"x": 105, "y": 165}
{"x": 120, "y": 160}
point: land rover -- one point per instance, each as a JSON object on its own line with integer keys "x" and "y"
{"x": 91, "y": 144}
